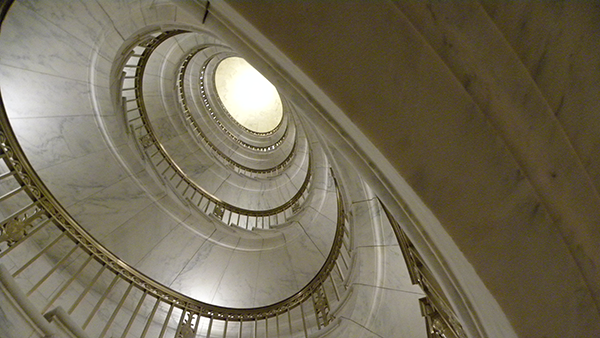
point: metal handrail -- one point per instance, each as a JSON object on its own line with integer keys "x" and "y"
{"x": 46, "y": 205}
{"x": 150, "y": 139}
{"x": 435, "y": 306}
{"x": 17, "y": 162}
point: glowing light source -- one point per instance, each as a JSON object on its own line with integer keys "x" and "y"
{"x": 247, "y": 95}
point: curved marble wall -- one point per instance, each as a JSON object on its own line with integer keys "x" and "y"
{"x": 80, "y": 149}
{"x": 59, "y": 86}
{"x": 200, "y": 164}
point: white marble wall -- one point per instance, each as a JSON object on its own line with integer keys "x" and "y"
{"x": 383, "y": 302}
{"x": 75, "y": 139}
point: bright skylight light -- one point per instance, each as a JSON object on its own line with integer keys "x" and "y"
{"x": 247, "y": 95}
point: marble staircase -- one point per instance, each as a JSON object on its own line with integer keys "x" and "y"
{"x": 512, "y": 136}
{"x": 482, "y": 118}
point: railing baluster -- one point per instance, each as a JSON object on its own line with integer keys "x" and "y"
{"x": 104, "y": 295}
{"x": 12, "y": 193}
{"x": 340, "y": 271}
{"x": 196, "y": 326}
{"x": 135, "y": 312}
{"x": 87, "y": 289}
{"x": 116, "y": 311}
{"x": 180, "y": 181}
{"x": 39, "y": 254}
{"x": 335, "y": 289}
{"x": 345, "y": 245}
{"x": 150, "y": 317}
{"x": 66, "y": 285}
{"x": 180, "y": 323}
{"x": 267, "y": 327}
{"x": 210, "y": 322}
{"x": 344, "y": 261}
{"x": 6, "y": 174}
{"x": 303, "y": 320}
{"x": 185, "y": 190}
{"x": 289, "y": 315}
{"x": 155, "y": 153}
{"x": 49, "y": 273}
{"x": 165, "y": 324}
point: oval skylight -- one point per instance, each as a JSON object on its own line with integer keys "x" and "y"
{"x": 247, "y": 95}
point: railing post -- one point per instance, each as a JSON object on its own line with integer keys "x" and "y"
{"x": 150, "y": 317}
{"x": 87, "y": 289}
{"x": 66, "y": 285}
{"x": 116, "y": 311}
{"x": 38, "y": 255}
{"x": 165, "y": 324}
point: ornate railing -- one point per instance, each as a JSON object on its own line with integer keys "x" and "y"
{"x": 197, "y": 130}
{"x": 440, "y": 319}
{"x": 29, "y": 208}
{"x": 165, "y": 167}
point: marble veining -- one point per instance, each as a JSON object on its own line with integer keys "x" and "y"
{"x": 135, "y": 238}
{"x": 83, "y": 19}
{"x": 169, "y": 256}
{"x": 31, "y": 42}
{"x": 50, "y": 141}
{"x": 73, "y": 180}
{"x": 29, "y": 93}
{"x": 126, "y": 18}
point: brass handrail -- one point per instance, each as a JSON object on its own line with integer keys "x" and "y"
{"x": 17, "y": 162}
{"x": 45, "y": 203}
{"x": 150, "y": 139}
{"x": 435, "y": 307}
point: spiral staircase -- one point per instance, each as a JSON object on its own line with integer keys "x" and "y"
{"x": 421, "y": 171}
{"x": 162, "y": 214}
